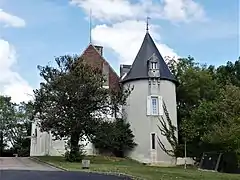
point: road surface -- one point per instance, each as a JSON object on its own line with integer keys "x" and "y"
{"x": 27, "y": 169}
{"x": 23, "y": 163}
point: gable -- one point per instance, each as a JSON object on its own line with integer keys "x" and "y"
{"x": 92, "y": 57}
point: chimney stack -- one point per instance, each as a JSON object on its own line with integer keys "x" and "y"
{"x": 99, "y": 49}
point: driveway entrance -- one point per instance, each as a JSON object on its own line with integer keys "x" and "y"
{"x": 23, "y": 163}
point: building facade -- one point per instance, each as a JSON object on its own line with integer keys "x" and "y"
{"x": 154, "y": 85}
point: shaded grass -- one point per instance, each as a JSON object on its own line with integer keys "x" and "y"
{"x": 131, "y": 167}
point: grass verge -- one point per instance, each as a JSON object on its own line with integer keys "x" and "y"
{"x": 133, "y": 168}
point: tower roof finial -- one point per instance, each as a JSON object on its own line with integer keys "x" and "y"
{"x": 147, "y": 28}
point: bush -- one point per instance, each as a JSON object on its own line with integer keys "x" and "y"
{"x": 115, "y": 138}
{"x": 73, "y": 156}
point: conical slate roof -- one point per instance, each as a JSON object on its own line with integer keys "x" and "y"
{"x": 139, "y": 69}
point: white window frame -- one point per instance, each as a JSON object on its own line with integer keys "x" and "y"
{"x": 154, "y": 65}
{"x": 154, "y": 106}
{"x": 159, "y": 106}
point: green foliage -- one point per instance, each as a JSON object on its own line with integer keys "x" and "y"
{"x": 229, "y": 74}
{"x": 22, "y": 129}
{"x": 140, "y": 171}
{"x": 15, "y": 125}
{"x": 72, "y": 101}
{"x": 6, "y": 118}
{"x": 115, "y": 138}
{"x": 208, "y": 105}
{"x": 74, "y": 156}
{"x": 226, "y": 130}
{"x": 169, "y": 131}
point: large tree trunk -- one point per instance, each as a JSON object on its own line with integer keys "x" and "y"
{"x": 74, "y": 147}
{"x": 75, "y": 153}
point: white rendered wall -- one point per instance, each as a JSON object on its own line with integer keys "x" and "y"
{"x": 143, "y": 125}
{"x": 44, "y": 144}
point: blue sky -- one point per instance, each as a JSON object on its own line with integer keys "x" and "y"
{"x": 204, "y": 29}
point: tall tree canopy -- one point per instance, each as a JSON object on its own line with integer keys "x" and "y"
{"x": 6, "y": 119}
{"x": 208, "y": 101}
{"x": 15, "y": 126}
{"x": 72, "y": 100}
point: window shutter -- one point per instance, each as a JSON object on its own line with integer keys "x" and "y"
{"x": 148, "y": 105}
{"x": 160, "y": 105}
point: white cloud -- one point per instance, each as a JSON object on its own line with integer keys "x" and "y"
{"x": 125, "y": 29}
{"x": 11, "y": 83}
{"x": 11, "y": 20}
{"x": 118, "y": 10}
{"x": 183, "y": 10}
{"x": 125, "y": 39}
{"x": 105, "y": 10}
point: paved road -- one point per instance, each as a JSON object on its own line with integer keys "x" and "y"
{"x": 52, "y": 175}
{"x": 26, "y": 169}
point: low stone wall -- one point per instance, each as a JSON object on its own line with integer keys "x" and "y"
{"x": 181, "y": 161}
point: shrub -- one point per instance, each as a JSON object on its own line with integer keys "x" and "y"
{"x": 115, "y": 138}
{"x": 73, "y": 156}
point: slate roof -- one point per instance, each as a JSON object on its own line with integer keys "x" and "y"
{"x": 139, "y": 69}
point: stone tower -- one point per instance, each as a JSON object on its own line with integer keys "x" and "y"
{"x": 153, "y": 85}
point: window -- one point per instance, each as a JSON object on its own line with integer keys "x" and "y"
{"x": 153, "y": 140}
{"x": 35, "y": 135}
{"x": 153, "y": 65}
{"x": 154, "y": 105}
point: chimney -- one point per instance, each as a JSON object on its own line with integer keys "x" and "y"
{"x": 124, "y": 69}
{"x": 99, "y": 49}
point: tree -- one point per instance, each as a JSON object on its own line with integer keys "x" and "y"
{"x": 6, "y": 120}
{"x": 15, "y": 126}
{"x": 229, "y": 73}
{"x": 196, "y": 85}
{"x": 169, "y": 131}
{"x": 199, "y": 94}
{"x": 21, "y": 129}
{"x": 71, "y": 101}
{"x": 225, "y": 131}
{"x": 115, "y": 138}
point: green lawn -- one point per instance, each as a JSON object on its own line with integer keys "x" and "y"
{"x": 119, "y": 165}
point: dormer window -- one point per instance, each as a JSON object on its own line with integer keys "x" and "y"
{"x": 154, "y": 65}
